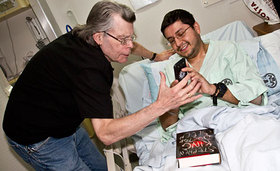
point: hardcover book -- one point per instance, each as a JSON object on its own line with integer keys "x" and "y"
{"x": 197, "y": 148}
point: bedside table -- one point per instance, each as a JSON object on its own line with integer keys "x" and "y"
{"x": 264, "y": 28}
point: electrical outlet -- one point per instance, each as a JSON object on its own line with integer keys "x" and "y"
{"x": 206, "y": 3}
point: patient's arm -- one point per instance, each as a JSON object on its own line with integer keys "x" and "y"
{"x": 257, "y": 101}
{"x": 142, "y": 51}
{"x": 169, "y": 118}
{"x": 229, "y": 97}
{"x": 210, "y": 89}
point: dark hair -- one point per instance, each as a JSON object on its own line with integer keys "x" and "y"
{"x": 100, "y": 19}
{"x": 175, "y": 15}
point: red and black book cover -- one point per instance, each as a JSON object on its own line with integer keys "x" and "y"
{"x": 197, "y": 148}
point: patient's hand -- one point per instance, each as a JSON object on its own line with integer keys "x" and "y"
{"x": 206, "y": 87}
{"x": 171, "y": 98}
{"x": 164, "y": 55}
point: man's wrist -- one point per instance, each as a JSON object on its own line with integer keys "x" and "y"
{"x": 213, "y": 90}
{"x": 220, "y": 91}
{"x": 153, "y": 57}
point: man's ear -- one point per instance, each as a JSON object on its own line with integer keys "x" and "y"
{"x": 98, "y": 38}
{"x": 196, "y": 27}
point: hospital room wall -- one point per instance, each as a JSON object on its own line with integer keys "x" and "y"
{"x": 149, "y": 18}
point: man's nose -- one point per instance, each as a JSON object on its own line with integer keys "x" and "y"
{"x": 178, "y": 41}
{"x": 130, "y": 44}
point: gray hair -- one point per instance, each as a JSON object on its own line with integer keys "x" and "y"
{"x": 100, "y": 19}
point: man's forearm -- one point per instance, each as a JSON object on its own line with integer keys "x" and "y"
{"x": 113, "y": 130}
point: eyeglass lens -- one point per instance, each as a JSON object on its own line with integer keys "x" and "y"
{"x": 123, "y": 41}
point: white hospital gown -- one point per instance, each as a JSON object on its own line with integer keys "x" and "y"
{"x": 225, "y": 62}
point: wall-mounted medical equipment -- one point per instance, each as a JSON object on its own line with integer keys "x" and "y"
{"x": 37, "y": 32}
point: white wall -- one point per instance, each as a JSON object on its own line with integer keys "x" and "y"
{"x": 147, "y": 25}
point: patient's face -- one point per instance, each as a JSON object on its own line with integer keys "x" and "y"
{"x": 183, "y": 38}
{"x": 113, "y": 49}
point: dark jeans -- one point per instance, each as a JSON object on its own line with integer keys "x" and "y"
{"x": 75, "y": 152}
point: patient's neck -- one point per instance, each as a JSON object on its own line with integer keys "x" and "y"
{"x": 197, "y": 61}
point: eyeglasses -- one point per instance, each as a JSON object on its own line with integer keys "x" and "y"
{"x": 179, "y": 35}
{"x": 123, "y": 41}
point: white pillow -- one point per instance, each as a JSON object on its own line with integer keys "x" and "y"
{"x": 236, "y": 31}
{"x": 271, "y": 42}
{"x": 268, "y": 61}
{"x": 134, "y": 84}
{"x": 152, "y": 73}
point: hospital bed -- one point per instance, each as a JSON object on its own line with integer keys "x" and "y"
{"x": 248, "y": 138}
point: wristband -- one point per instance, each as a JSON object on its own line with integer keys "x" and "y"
{"x": 221, "y": 89}
{"x": 215, "y": 96}
{"x": 154, "y": 56}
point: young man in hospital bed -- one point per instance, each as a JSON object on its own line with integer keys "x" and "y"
{"x": 225, "y": 71}
{"x": 220, "y": 61}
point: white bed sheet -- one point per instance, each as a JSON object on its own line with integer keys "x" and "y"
{"x": 248, "y": 139}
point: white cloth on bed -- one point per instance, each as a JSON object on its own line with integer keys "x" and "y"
{"x": 233, "y": 31}
{"x": 265, "y": 52}
{"x": 242, "y": 134}
{"x": 252, "y": 144}
{"x": 271, "y": 42}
